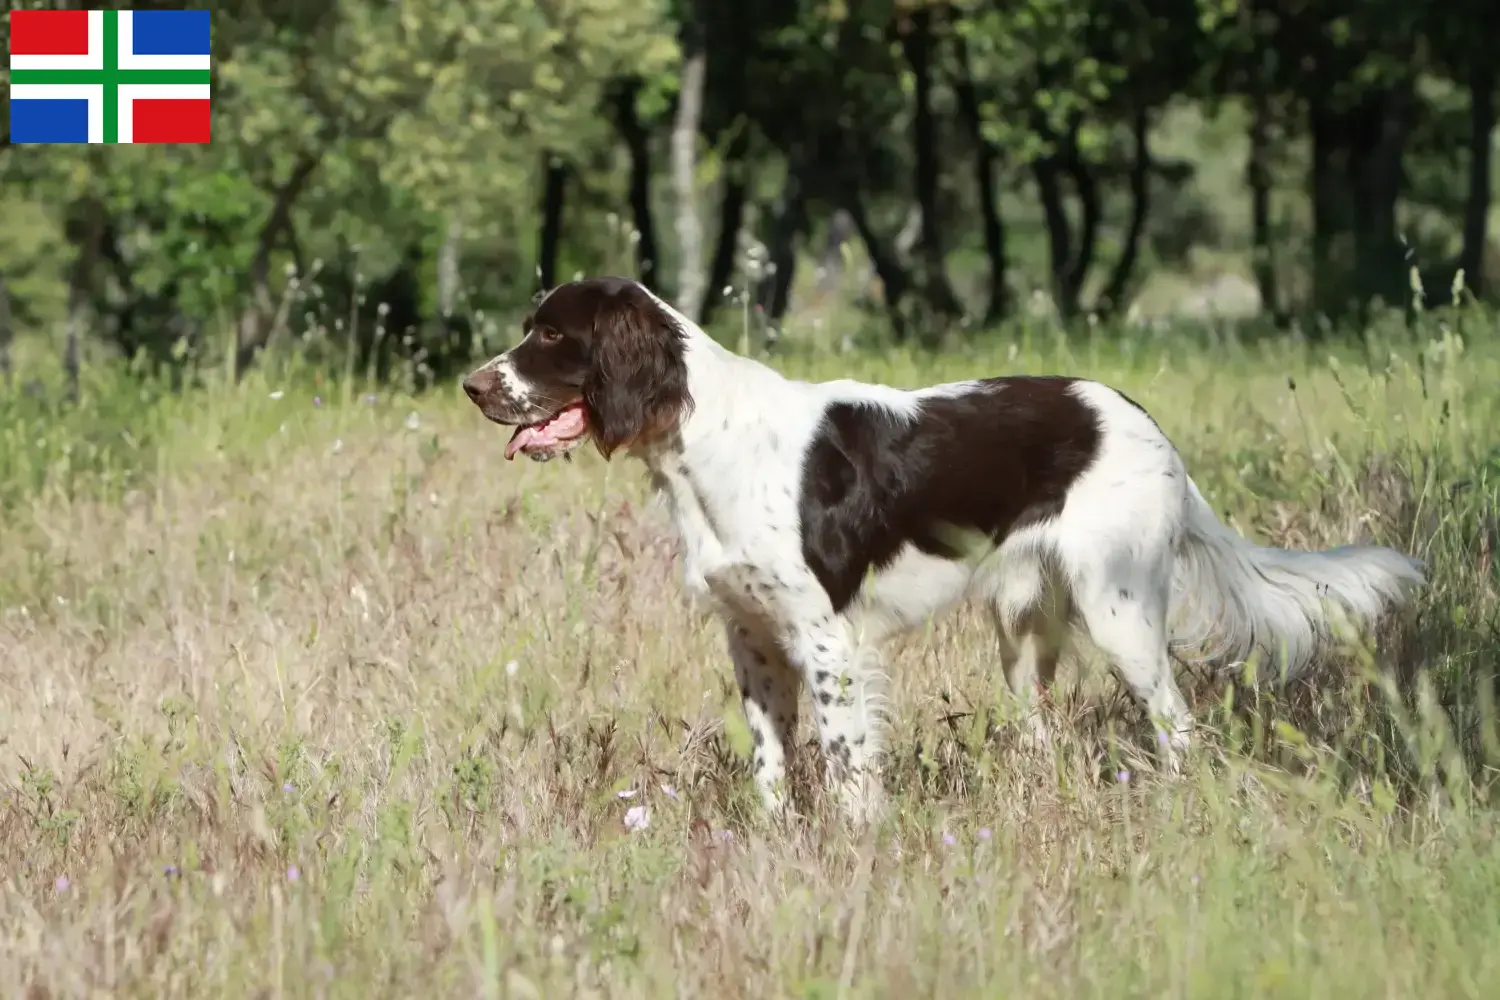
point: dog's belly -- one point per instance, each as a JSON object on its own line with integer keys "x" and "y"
{"x": 912, "y": 588}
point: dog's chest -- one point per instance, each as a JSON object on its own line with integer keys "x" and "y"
{"x": 729, "y": 519}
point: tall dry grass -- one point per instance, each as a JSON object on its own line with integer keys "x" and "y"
{"x": 315, "y": 695}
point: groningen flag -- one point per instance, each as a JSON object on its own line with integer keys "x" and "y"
{"x": 109, "y": 76}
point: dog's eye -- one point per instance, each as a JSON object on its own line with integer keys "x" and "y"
{"x": 548, "y": 336}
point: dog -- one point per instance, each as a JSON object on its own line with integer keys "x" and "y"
{"x": 818, "y": 519}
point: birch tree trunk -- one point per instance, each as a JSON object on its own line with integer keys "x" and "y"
{"x": 690, "y": 283}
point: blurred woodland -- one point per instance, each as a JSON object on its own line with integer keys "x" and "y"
{"x": 401, "y": 178}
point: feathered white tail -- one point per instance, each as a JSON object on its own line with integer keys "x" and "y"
{"x": 1231, "y": 596}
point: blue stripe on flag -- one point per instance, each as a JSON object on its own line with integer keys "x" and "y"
{"x": 170, "y": 33}
{"x": 56, "y": 120}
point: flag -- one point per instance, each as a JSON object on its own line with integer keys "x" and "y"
{"x": 109, "y": 76}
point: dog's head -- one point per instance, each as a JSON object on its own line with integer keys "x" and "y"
{"x": 599, "y": 358}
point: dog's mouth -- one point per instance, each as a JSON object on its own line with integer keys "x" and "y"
{"x": 553, "y": 436}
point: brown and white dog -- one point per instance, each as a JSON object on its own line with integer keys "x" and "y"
{"x": 820, "y": 518}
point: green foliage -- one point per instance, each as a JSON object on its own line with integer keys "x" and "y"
{"x": 392, "y": 158}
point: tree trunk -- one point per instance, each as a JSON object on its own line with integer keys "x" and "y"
{"x": 894, "y": 281}
{"x": 985, "y": 157}
{"x": 1258, "y": 178}
{"x": 78, "y": 313}
{"x": 1356, "y": 181}
{"x": 685, "y": 180}
{"x": 1117, "y": 289}
{"x": 1332, "y": 211}
{"x": 1380, "y": 256}
{"x": 254, "y": 328}
{"x": 1477, "y": 208}
{"x": 1090, "y": 214}
{"x": 917, "y": 44}
{"x": 86, "y": 230}
{"x": 638, "y": 143}
{"x": 1047, "y": 174}
{"x": 787, "y": 223}
{"x": 549, "y": 240}
{"x": 447, "y": 268}
{"x": 731, "y": 218}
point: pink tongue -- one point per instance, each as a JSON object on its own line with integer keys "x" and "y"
{"x": 565, "y": 426}
{"x": 524, "y": 437}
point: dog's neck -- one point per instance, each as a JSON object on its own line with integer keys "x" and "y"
{"x": 728, "y": 392}
{"x": 712, "y": 385}
{"x": 717, "y": 380}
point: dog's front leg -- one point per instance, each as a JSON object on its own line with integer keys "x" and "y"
{"x": 824, "y": 648}
{"x": 841, "y": 676}
{"x": 768, "y": 695}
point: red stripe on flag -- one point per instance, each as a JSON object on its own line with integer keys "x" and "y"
{"x": 49, "y": 32}
{"x": 163, "y": 119}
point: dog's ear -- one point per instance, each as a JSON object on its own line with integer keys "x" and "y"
{"x": 637, "y": 386}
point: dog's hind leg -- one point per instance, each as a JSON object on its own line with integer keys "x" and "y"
{"x": 1123, "y": 603}
{"x": 1030, "y": 610}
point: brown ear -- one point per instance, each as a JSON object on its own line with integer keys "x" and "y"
{"x": 637, "y": 387}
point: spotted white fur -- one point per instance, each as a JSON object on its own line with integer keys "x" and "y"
{"x": 1135, "y": 550}
{"x": 1135, "y": 556}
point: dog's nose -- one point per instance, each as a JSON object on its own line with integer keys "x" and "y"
{"x": 472, "y": 388}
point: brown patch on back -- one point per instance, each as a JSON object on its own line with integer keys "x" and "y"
{"x": 994, "y": 460}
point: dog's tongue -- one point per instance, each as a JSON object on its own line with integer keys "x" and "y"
{"x": 565, "y": 425}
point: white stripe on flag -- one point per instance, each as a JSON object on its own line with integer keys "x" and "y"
{"x": 130, "y": 92}
{"x": 129, "y": 60}
{"x": 91, "y": 92}
{"x": 94, "y": 59}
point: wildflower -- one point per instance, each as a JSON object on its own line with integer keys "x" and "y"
{"x": 63, "y": 882}
{"x": 413, "y": 422}
{"x": 1123, "y": 777}
{"x": 984, "y": 833}
{"x": 170, "y": 871}
{"x": 625, "y": 793}
{"x": 637, "y": 818}
{"x": 288, "y": 787}
{"x": 724, "y": 835}
{"x": 370, "y": 398}
{"x": 669, "y": 791}
{"x": 277, "y": 394}
{"x": 292, "y": 874}
{"x": 511, "y": 668}
{"x": 949, "y": 840}
{"x": 317, "y": 402}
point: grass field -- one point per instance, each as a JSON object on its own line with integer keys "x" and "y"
{"x": 306, "y": 693}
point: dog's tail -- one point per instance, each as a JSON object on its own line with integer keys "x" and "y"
{"x": 1231, "y": 597}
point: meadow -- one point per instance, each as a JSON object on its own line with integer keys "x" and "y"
{"x": 305, "y": 692}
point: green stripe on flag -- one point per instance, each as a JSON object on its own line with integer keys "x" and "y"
{"x": 173, "y": 76}
{"x": 111, "y": 77}
{"x": 111, "y": 67}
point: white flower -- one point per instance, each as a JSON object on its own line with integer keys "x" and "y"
{"x": 637, "y": 818}
{"x": 277, "y": 394}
